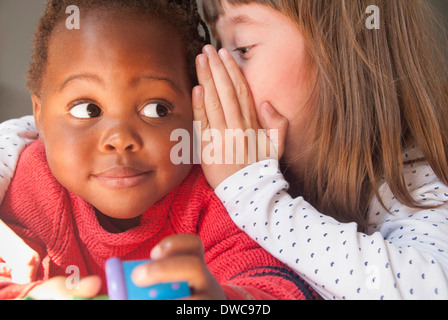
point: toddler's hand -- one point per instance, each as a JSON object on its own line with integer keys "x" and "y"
{"x": 20, "y": 259}
{"x": 224, "y": 101}
{"x": 180, "y": 258}
{"x": 57, "y": 288}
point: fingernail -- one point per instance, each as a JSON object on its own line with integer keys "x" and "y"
{"x": 156, "y": 252}
{"x": 202, "y": 60}
{"x": 139, "y": 274}
{"x": 208, "y": 49}
{"x": 223, "y": 53}
{"x": 197, "y": 92}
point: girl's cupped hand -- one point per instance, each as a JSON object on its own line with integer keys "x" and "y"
{"x": 232, "y": 134}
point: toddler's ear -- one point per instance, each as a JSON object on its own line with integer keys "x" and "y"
{"x": 37, "y": 106}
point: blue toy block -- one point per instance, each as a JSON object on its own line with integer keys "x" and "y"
{"x": 121, "y": 287}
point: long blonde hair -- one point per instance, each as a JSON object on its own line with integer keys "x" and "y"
{"x": 379, "y": 92}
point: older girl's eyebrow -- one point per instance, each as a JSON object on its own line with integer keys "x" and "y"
{"x": 80, "y": 76}
{"x": 244, "y": 19}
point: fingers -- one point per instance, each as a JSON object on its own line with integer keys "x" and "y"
{"x": 60, "y": 288}
{"x": 225, "y": 89}
{"x": 179, "y": 268}
{"x": 276, "y": 125}
{"x": 199, "y": 111}
{"x": 200, "y": 115}
{"x": 212, "y": 103}
{"x": 179, "y": 258}
{"x": 89, "y": 287}
{"x": 185, "y": 268}
{"x": 178, "y": 245}
{"x": 225, "y": 102}
{"x": 240, "y": 87}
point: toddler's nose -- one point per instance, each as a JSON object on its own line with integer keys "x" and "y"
{"x": 121, "y": 138}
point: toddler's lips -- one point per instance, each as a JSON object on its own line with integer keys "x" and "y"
{"x": 122, "y": 177}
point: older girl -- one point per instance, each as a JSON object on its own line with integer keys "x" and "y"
{"x": 365, "y": 151}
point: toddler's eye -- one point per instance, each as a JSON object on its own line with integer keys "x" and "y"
{"x": 155, "y": 110}
{"x": 86, "y": 111}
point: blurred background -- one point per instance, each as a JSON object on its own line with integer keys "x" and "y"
{"x": 18, "y": 19}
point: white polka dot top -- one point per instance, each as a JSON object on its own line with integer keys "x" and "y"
{"x": 404, "y": 255}
{"x": 15, "y": 135}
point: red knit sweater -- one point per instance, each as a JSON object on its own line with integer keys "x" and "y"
{"x": 65, "y": 231}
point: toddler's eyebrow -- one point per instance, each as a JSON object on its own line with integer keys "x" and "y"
{"x": 134, "y": 82}
{"x": 81, "y": 76}
{"x": 149, "y": 77}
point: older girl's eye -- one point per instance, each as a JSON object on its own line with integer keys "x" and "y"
{"x": 86, "y": 111}
{"x": 242, "y": 51}
{"x": 155, "y": 110}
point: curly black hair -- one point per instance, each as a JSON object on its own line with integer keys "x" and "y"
{"x": 183, "y": 15}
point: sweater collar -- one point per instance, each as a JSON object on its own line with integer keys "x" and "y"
{"x": 105, "y": 243}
